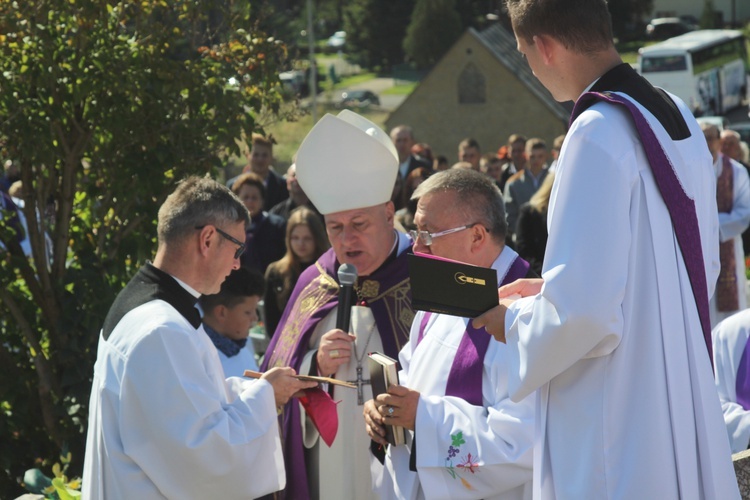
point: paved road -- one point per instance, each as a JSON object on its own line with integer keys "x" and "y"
{"x": 377, "y": 85}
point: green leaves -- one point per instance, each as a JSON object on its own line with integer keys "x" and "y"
{"x": 105, "y": 105}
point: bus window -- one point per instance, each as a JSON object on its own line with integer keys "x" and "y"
{"x": 655, "y": 64}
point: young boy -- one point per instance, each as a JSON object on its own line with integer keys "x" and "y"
{"x": 228, "y": 317}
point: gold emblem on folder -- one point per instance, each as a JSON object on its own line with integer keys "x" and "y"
{"x": 462, "y": 279}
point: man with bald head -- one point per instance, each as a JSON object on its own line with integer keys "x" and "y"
{"x": 403, "y": 139}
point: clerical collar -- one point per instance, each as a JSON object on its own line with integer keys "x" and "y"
{"x": 624, "y": 79}
{"x": 192, "y": 291}
{"x": 229, "y": 347}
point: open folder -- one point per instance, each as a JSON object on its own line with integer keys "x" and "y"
{"x": 447, "y": 286}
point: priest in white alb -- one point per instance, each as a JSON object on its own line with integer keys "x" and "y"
{"x": 732, "y": 366}
{"x": 163, "y": 420}
{"x": 347, "y": 166}
{"x": 616, "y": 339}
{"x": 468, "y": 440}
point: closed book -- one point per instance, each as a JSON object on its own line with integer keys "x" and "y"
{"x": 384, "y": 373}
{"x": 447, "y": 286}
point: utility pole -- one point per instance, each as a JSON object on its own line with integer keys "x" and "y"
{"x": 313, "y": 66}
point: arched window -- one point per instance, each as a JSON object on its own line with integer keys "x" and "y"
{"x": 471, "y": 86}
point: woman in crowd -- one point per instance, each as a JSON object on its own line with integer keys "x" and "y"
{"x": 264, "y": 241}
{"x": 306, "y": 240}
{"x": 531, "y": 230}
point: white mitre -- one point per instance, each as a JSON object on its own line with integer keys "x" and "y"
{"x": 346, "y": 162}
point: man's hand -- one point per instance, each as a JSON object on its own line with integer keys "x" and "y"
{"x": 522, "y": 287}
{"x": 374, "y": 423}
{"x": 334, "y": 350}
{"x": 398, "y": 406}
{"x": 493, "y": 321}
{"x": 284, "y": 384}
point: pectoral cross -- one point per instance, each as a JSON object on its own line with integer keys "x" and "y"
{"x": 360, "y": 383}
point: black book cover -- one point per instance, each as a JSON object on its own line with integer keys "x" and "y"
{"x": 449, "y": 287}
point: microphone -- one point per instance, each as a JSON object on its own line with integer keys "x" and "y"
{"x": 347, "y": 277}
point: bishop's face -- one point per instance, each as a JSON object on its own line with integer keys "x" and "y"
{"x": 362, "y": 237}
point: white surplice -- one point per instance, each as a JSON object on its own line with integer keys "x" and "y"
{"x": 498, "y": 437}
{"x": 729, "y": 340}
{"x": 164, "y": 423}
{"x": 627, "y": 406}
{"x": 731, "y": 227}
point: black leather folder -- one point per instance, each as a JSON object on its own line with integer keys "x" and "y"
{"x": 449, "y": 287}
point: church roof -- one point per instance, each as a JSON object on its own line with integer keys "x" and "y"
{"x": 502, "y": 44}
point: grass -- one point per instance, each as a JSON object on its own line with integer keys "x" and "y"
{"x": 401, "y": 89}
{"x": 289, "y": 136}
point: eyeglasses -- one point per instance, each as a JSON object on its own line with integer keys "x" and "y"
{"x": 240, "y": 244}
{"x": 427, "y": 236}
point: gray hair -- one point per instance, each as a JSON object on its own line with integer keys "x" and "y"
{"x": 197, "y": 202}
{"x": 480, "y": 197}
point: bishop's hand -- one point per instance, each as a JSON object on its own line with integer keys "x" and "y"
{"x": 334, "y": 350}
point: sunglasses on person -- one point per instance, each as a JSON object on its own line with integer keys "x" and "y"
{"x": 240, "y": 244}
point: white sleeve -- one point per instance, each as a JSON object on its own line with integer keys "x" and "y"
{"x": 729, "y": 341}
{"x": 466, "y": 451}
{"x": 734, "y": 223}
{"x": 578, "y": 313}
{"x": 182, "y": 432}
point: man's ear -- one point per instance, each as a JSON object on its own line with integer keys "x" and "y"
{"x": 206, "y": 239}
{"x": 479, "y": 236}
{"x": 390, "y": 211}
{"x": 545, "y": 46}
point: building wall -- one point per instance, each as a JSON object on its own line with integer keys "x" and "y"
{"x": 436, "y": 115}
{"x": 695, "y": 8}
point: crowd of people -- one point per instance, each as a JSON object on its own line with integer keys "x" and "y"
{"x": 617, "y": 250}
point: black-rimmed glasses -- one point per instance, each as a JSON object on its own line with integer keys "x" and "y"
{"x": 427, "y": 236}
{"x": 240, "y": 244}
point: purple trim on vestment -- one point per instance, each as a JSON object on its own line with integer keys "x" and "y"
{"x": 465, "y": 377}
{"x": 681, "y": 208}
{"x": 389, "y": 275}
{"x": 742, "y": 382}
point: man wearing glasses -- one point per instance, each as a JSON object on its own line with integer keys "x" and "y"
{"x": 163, "y": 421}
{"x": 468, "y": 437}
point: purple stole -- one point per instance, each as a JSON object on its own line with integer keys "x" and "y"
{"x": 742, "y": 380}
{"x": 314, "y": 296}
{"x": 465, "y": 377}
{"x": 681, "y": 208}
{"x": 726, "y": 286}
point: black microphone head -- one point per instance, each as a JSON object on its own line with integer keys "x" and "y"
{"x": 347, "y": 274}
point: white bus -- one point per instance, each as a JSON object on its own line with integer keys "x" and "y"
{"x": 707, "y": 69}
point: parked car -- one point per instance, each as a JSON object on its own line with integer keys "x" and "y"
{"x": 359, "y": 99}
{"x": 662, "y": 28}
{"x": 337, "y": 40}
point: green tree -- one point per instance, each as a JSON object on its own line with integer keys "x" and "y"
{"x": 105, "y": 105}
{"x": 375, "y": 30}
{"x": 435, "y": 26}
{"x": 626, "y": 14}
{"x": 708, "y": 16}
